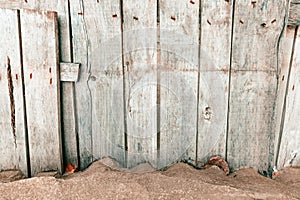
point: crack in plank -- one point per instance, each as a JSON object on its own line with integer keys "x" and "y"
{"x": 12, "y": 101}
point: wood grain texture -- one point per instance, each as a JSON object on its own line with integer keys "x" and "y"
{"x": 290, "y": 149}
{"x": 96, "y": 28}
{"x": 256, "y": 33}
{"x": 140, "y": 57}
{"x": 179, "y": 37}
{"x": 214, "y": 74}
{"x": 41, "y": 77}
{"x": 12, "y": 131}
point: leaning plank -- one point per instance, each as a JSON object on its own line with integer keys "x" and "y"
{"x": 178, "y": 71}
{"x": 140, "y": 57}
{"x": 99, "y": 90}
{"x": 12, "y": 127}
{"x": 286, "y": 47}
{"x": 290, "y": 149}
{"x": 41, "y": 77}
{"x": 256, "y": 33}
{"x": 214, "y": 75}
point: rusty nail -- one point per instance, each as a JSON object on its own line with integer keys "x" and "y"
{"x": 80, "y": 13}
{"x": 241, "y": 21}
{"x": 115, "y": 15}
{"x": 208, "y": 22}
{"x": 30, "y": 75}
{"x": 263, "y": 24}
{"x": 293, "y": 88}
{"x": 253, "y": 3}
{"x": 192, "y": 2}
{"x": 8, "y": 61}
{"x": 173, "y": 18}
{"x": 227, "y": 1}
{"x": 50, "y": 81}
{"x": 50, "y": 70}
{"x": 274, "y": 20}
{"x": 25, "y": 1}
{"x": 135, "y": 18}
{"x": 16, "y": 76}
{"x": 282, "y": 78}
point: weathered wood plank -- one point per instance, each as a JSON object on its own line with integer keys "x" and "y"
{"x": 69, "y": 72}
{"x": 179, "y": 37}
{"x": 290, "y": 143}
{"x": 41, "y": 77}
{"x": 96, "y": 27}
{"x": 285, "y": 52}
{"x": 214, "y": 74}
{"x": 12, "y": 126}
{"x": 140, "y": 57}
{"x": 68, "y": 115}
{"x": 257, "y": 29}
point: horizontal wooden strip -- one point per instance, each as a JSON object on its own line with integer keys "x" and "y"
{"x": 69, "y": 72}
{"x": 294, "y": 14}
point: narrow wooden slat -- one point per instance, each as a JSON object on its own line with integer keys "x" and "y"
{"x": 286, "y": 47}
{"x": 257, "y": 29}
{"x": 96, "y": 28}
{"x": 290, "y": 149}
{"x": 12, "y": 126}
{"x": 214, "y": 75}
{"x": 41, "y": 77}
{"x": 140, "y": 57}
{"x": 179, "y": 37}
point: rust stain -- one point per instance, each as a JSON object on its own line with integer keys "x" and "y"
{"x": 173, "y": 18}
{"x": 114, "y": 15}
{"x": 12, "y": 101}
{"x": 30, "y": 75}
{"x": 135, "y": 18}
{"x": 192, "y": 2}
{"x": 50, "y": 81}
{"x": 293, "y": 88}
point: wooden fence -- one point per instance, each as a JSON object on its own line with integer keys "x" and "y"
{"x": 159, "y": 81}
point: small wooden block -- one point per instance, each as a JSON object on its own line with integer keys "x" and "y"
{"x": 69, "y": 72}
{"x": 294, "y": 13}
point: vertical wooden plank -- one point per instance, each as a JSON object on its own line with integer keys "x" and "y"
{"x": 290, "y": 149}
{"x": 257, "y": 29}
{"x": 140, "y": 57}
{"x": 12, "y": 131}
{"x": 96, "y": 28}
{"x": 67, "y": 89}
{"x": 179, "y": 39}
{"x": 41, "y": 77}
{"x": 214, "y": 74}
{"x": 286, "y": 46}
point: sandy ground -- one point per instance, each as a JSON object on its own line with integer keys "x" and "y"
{"x": 180, "y": 181}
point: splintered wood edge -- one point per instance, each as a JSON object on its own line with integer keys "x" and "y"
{"x": 294, "y": 14}
{"x": 69, "y": 72}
